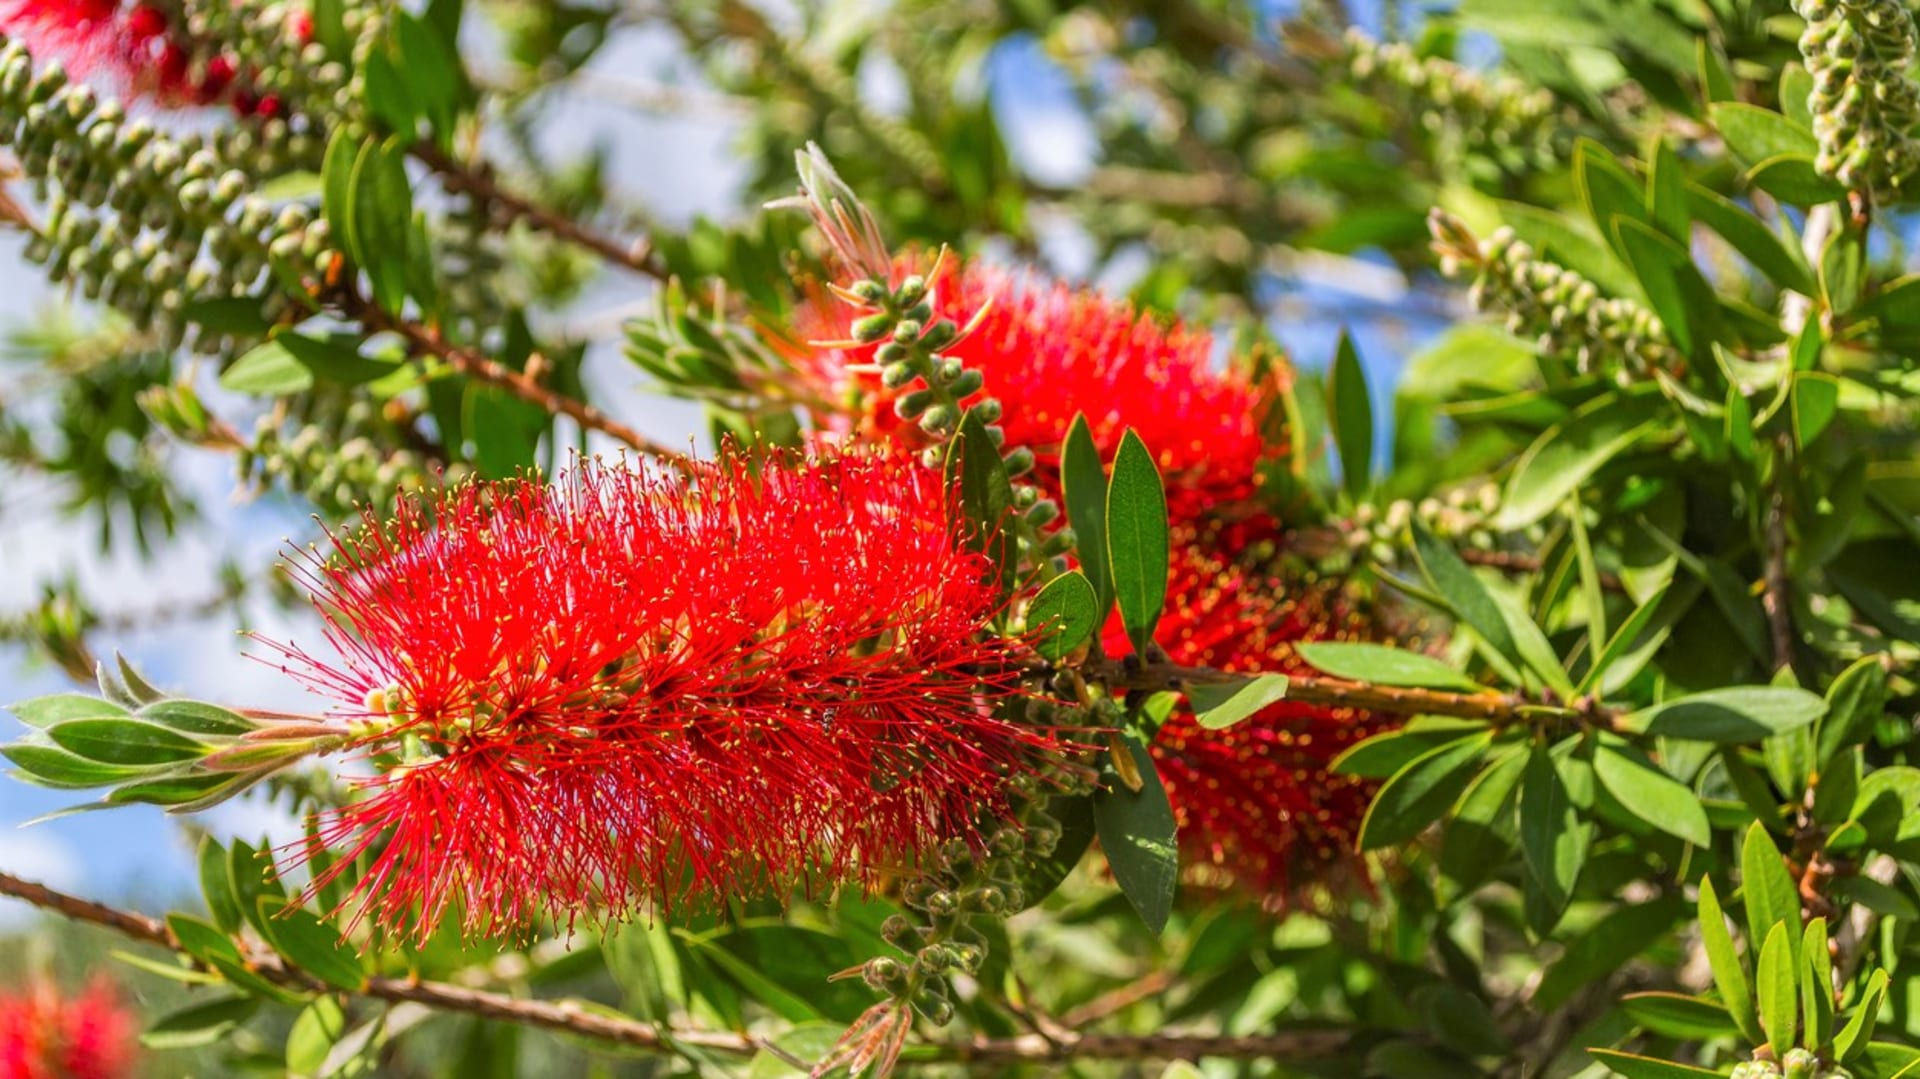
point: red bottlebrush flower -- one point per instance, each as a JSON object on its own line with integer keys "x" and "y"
{"x": 630, "y": 687}
{"x": 45, "y": 1034}
{"x": 131, "y": 50}
{"x": 1256, "y": 800}
{"x": 1048, "y": 351}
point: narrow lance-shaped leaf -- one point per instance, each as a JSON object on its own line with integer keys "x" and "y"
{"x": 1351, "y": 410}
{"x": 1137, "y": 539}
{"x": 1421, "y": 792}
{"x": 1730, "y": 974}
{"x": 1084, "y": 481}
{"x": 1779, "y": 1000}
{"x": 1138, "y": 834}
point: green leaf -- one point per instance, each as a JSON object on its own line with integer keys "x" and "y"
{"x": 388, "y": 98}
{"x": 1360, "y": 661}
{"x": 310, "y": 944}
{"x": 1064, "y": 616}
{"x": 50, "y": 766}
{"x": 1383, "y": 754}
{"x": 1793, "y": 178}
{"x": 1607, "y": 190}
{"x": 1779, "y": 1000}
{"x": 46, "y": 711}
{"x": 200, "y": 1024}
{"x": 1634, "y": 642}
{"x": 195, "y": 718}
{"x": 1418, "y": 794}
{"x": 1843, "y": 267}
{"x": 1650, "y": 793}
{"x": 975, "y": 467}
{"x": 1137, "y": 832}
{"x": 1815, "y": 401}
{"x": 1816, "y": 985}
{"x": 1767, "y": 890}
{"x": 1852, "y": 1040}
{"x": 1676, "y": 1015}
{"x": 1667, "y": 195}
{"x": 1729, "y": 969}
{"x": 1137, "y": 539}
{"x": 335, "y": 360}
{"x": 216, "y": 885}
{"x": 336, "y": 186}
{"x": 1222, "y": 704}
{"x": 318, "y": 1027}
{"x": 1467, "y": 599}
{"x": 1739, "y": 714}
{"x": 129, "y": 742}
{"x": 254, "y": 877}
{"x": 1084, "y": 481}
{"x": 1481, "y": 832}
{"x": 1757, "y": 134}
{"x": 1351, "y": 411}
{"x": 1755, "y": 242}
{"x": 1634, "y": 1066}
{"x": 1565, "y": 456}
{"x": 382, "y": 220}
{"x": 1627, "y": 931}
{"x": 1675, "y": 290}
{"x": 267, "y": 370}
{"x": 1554, "y": 837}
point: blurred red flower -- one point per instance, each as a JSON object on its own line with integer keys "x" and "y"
{"x": 134, "y": 50}
{"x": 634, "y": 687}
{"x": 45, "y": 1034}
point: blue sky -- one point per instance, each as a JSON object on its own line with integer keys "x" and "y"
{"x": 678, "y": 167}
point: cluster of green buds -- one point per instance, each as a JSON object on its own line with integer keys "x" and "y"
{"x": 1563, "y": 312}
{"x": 961, "y": 887}
{"x": 1864, "y": 100}
{"x": 1491, "y": 111}
{"x": 1463, "y": 514}
{"x": 290, "y": 77}
{"x": 341, "y": 465}
{"x": 148, "y": 222}
{"x": 1797, "y": 1064}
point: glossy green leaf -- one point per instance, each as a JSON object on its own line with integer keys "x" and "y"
{"x": 1483, "y": 828}
{"x": 1137, "y": 539}
{"x": 196, "y": 718}
{"x": 1137, "y": 833}
{"x": 336, "y": 186}
{"x": 975, "y": 467}
{"x": 267, "y": 370}
{"x": 1634, "y": 1066}
{"x": 1757, "y": 134}
{"x": 1755, "y": 242}
{"x": 1467, "y": 599}
{"x": 333, "y": 360}
{"x": 1351, "y": 411}
{"x": 51, "y": 766}
{"x": 1362, "y": 661}
{"x": 1730, "y": 973}
{"x": 1222, "y": 704}
{"x": 48, "y": 710}
{"x": 1767, "y": 889}
{"x": 382, "y": 218}
{"x": 1383, "y": 754}
{"x": 1814, "y": 402}
{"x": 1650, "y": 793}
{"x": 1554, "y": 836}
{"x": 1064, "y": 616}
{"x": 310, "y": 944}
{"x": 1740, "y": 714}
{"x": 130, "y": 742}
{"x": 1816, "y": 985}
{"x": 1676, "y": 1015}
{"x": 318, "y": 1027}
{"x": 204, "y": 1023}
{"x": 1851, "y": 1041}
{"x": 1568, "y": 454}
{"x": 1084, "y": 481}
{"x": 216, "y": 885}
{"x": 1667, "y": 203}
{"x": 1777, "y": 986}
{"x": 1419, "y": 793}
{"x": 1793, "y": 178}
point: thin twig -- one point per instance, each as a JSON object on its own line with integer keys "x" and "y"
{"x": 423, "y": 340}
{"x": 573, "y": 1017}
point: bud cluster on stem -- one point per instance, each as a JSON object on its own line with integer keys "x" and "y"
{"x": 1864, "y": 100}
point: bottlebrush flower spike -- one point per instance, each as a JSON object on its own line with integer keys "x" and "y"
{"x": 45, "y": 1034}
{"x": 133, "y": 50}
{"x": 1256, "y": 801}
{"x": 1050, "y": 351}
{"x": 631, "y": 687}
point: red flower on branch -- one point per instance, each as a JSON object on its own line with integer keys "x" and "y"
{"x": 1256, "y": 801}
{"x": 631, "y": 687}
{"x": 45, "y": 1034}
{"x": 1048, "y": 351}
{"x": 133, "y": 50}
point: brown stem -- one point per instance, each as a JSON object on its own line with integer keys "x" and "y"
{"x": 423, "y": 340}
{"x": 572, "y": 1017}
{"x": 1495, "y": 707}
{"x": 638, "y": 257}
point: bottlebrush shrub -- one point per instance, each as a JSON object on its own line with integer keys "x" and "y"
{"x": 46, "y": 1033}
{"x": 632, "y": 687}
{"x": 134, "y": 49}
